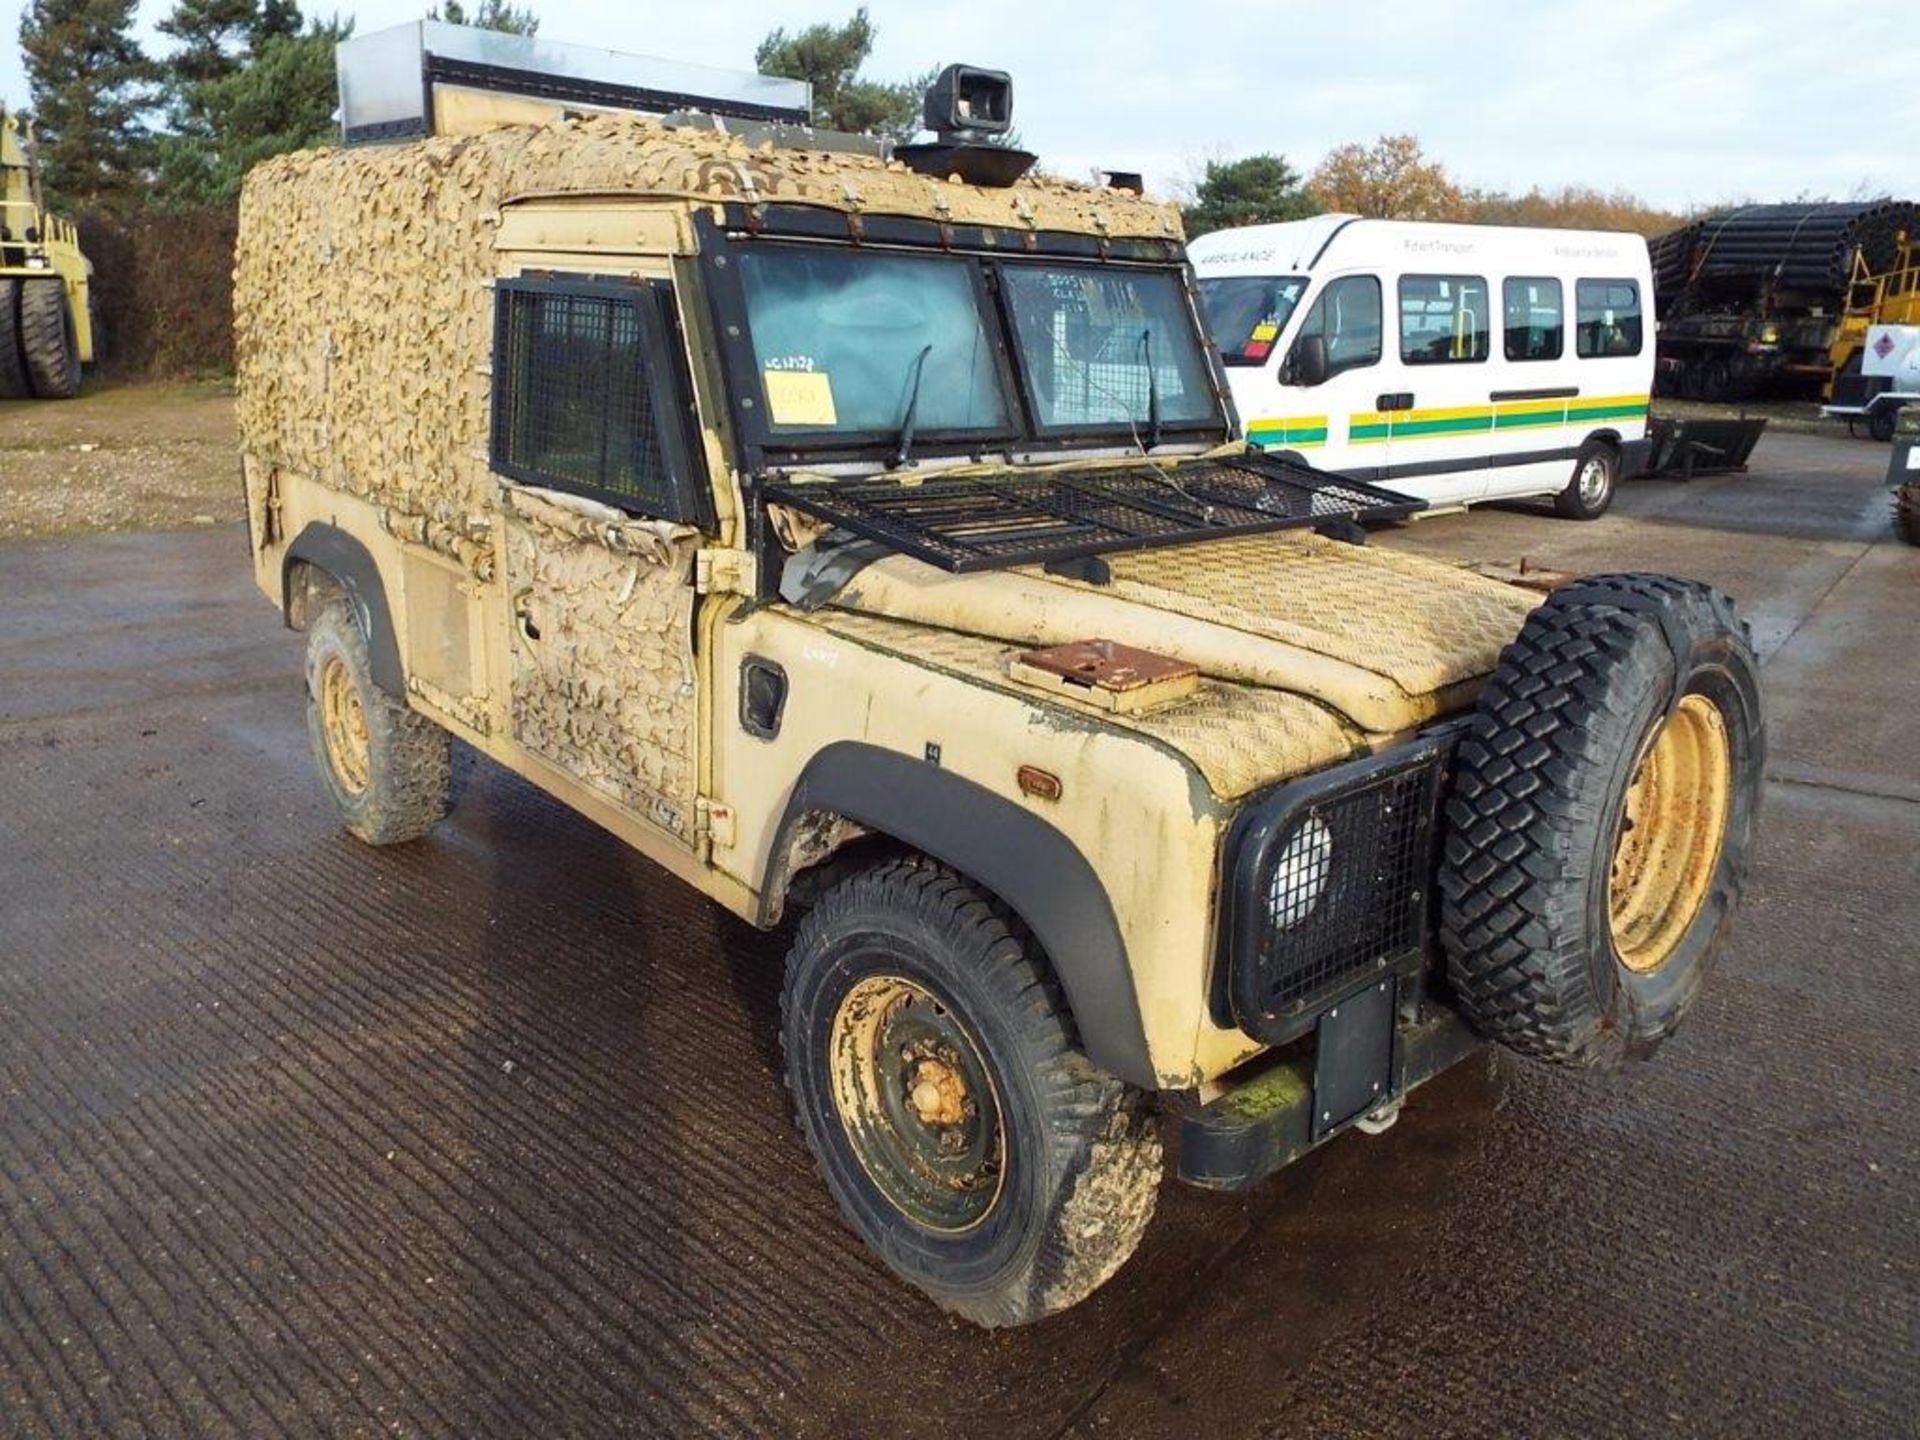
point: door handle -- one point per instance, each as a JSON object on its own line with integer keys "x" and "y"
{"x": 1394, "y": 400}
{"x": 523, "y": 615}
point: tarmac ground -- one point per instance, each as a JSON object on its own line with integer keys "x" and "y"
{"x": 485, "y": 1136}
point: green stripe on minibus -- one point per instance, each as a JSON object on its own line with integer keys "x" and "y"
{"x": 1467, "y": 426}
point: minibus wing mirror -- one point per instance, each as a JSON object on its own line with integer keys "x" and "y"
{"x": 1306, "y": 362}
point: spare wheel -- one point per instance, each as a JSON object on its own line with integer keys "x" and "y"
{"x": 1600, "y": 818}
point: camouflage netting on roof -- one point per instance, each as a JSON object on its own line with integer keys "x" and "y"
{"x": 361, "y": 310}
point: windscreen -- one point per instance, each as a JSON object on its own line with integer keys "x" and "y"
{"x": 1246, "y": 313}
{"x": 838, "y": 336}
{"x": 1088, "y": 337}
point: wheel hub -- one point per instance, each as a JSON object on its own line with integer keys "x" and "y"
{"x": 917, "y": 1103}
{"x": 1672, "y": 828}
{"x": 1593, "y": 480}
{"x": 343, "y": 725}
{"x": 938, "y": 1093}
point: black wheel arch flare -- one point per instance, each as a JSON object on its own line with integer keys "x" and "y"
{"x": 330, "y": 549}
{"x": 1029, "y": 865}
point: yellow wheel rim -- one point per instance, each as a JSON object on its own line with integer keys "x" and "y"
{"x": 1671, "y": 833}
{"x": 918, "y": 1103}
{"x": 343, "y": 724}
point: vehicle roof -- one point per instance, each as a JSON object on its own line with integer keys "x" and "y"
{"x": 1295, "y": 247}
{"x": 629, "y": 155}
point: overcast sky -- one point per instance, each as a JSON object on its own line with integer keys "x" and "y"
{"x": 1685, "y": 104}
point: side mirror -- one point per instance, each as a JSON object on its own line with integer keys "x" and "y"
{"x": 1307, "y": 362}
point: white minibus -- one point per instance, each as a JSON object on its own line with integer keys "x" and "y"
{"x": 1456, "y": 363}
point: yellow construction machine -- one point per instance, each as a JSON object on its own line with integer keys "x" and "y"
{"x": 46, "y": 313}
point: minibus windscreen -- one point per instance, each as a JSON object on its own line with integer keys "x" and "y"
{"x": 1246, "y": 313}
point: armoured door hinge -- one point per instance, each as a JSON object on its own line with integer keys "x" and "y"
{"x": 720, "y": 570}
{"x": 714, "y": 821}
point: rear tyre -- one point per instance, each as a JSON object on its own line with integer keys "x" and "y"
{"x": 1882, "y": 421}
{"x": 13, "y": 366}
{"x": 1596, "y": 474}
{"x": 1601, "y": 818}
{"x": 48, "y": 341}
{"x": 936, "y": 1080}
{"x": 388, "y": 769}
{"x": 1906, "y": 513}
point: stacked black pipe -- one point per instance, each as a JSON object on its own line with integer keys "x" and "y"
{"x": 1807, "y": 248}
{"x": 1673, "y": 257}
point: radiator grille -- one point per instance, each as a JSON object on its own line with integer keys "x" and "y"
{"x": 1329, "y": 889}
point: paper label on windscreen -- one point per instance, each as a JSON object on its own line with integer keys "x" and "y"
{"x": 799, "y": 397}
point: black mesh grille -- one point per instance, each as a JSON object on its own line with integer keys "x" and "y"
{"x": 572, "y": 406}
{"x": 1019, "y": 517}
{"x": 1330, "y": 889}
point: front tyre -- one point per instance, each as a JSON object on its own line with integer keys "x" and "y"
{"x": 388, "y": 769}
{"x": 936, "y": 1080}
{"x": 1601, "y": 819}
{"x": 48, "y": 341}
{"x": 1596, "y": 474}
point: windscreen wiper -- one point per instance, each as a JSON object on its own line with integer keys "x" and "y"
{"x": 905, "y": 447}
{"x": 1153, "y": 392}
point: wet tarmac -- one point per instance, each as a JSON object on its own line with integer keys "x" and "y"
{"x": 485, "y": 1136}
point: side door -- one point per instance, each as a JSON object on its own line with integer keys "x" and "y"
{"x": 1344, "y": 320}
{"x": 601, "y": 521}
{"x": 1613, "y": 356}
{"x": 1532, "y": 384}
{"x": 1441, "y": 419}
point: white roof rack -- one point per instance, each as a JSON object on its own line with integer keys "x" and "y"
{"x": 431, "y": 78}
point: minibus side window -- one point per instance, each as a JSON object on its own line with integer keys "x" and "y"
{"x": 1443, "y": 319}
{"x": 1606, "y": 318}
{"x": 1347, "y": 317}
{"x": 1535, "y": 318}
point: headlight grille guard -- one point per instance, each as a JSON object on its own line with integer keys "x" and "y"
{"x": 1360, "y": 903}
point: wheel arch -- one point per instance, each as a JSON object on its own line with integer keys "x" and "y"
{"x": 330, "y": 551}
{"x": 853, "y": 792}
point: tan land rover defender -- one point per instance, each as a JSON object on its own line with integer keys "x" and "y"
{"x": 866, "y": 545}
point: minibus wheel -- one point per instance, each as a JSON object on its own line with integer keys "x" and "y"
{"x": 1596, "y": 472}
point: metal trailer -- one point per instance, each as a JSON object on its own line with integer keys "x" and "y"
{"x": 1883, "y": 382}
{"x": 1682, "y": 449}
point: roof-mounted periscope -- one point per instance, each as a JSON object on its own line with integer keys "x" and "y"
{"x": 431, "y": 78}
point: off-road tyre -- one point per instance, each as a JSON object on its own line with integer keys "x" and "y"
{"x": 1081, "y": 1158}
{"x": 407, "y": 783}
{"x": 48, "y": 341}
{"x": 1906, "y": 513}
{"x": 1595, "y": 478}
{"x": 13, "y": 366}
{"x": 1533, "y": 820}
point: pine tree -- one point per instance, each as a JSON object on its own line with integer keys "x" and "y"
{"x": 829, "y": 57}
{"x": 92, "y": 91}
{"x": 1256, "y": 190}
{"x": 213, "y": 36}
{"x": 278, "y": 94}
{"x": 488, "y": 15}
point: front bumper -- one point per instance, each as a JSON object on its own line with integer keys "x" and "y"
{"x": 1273, "y": 1118}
